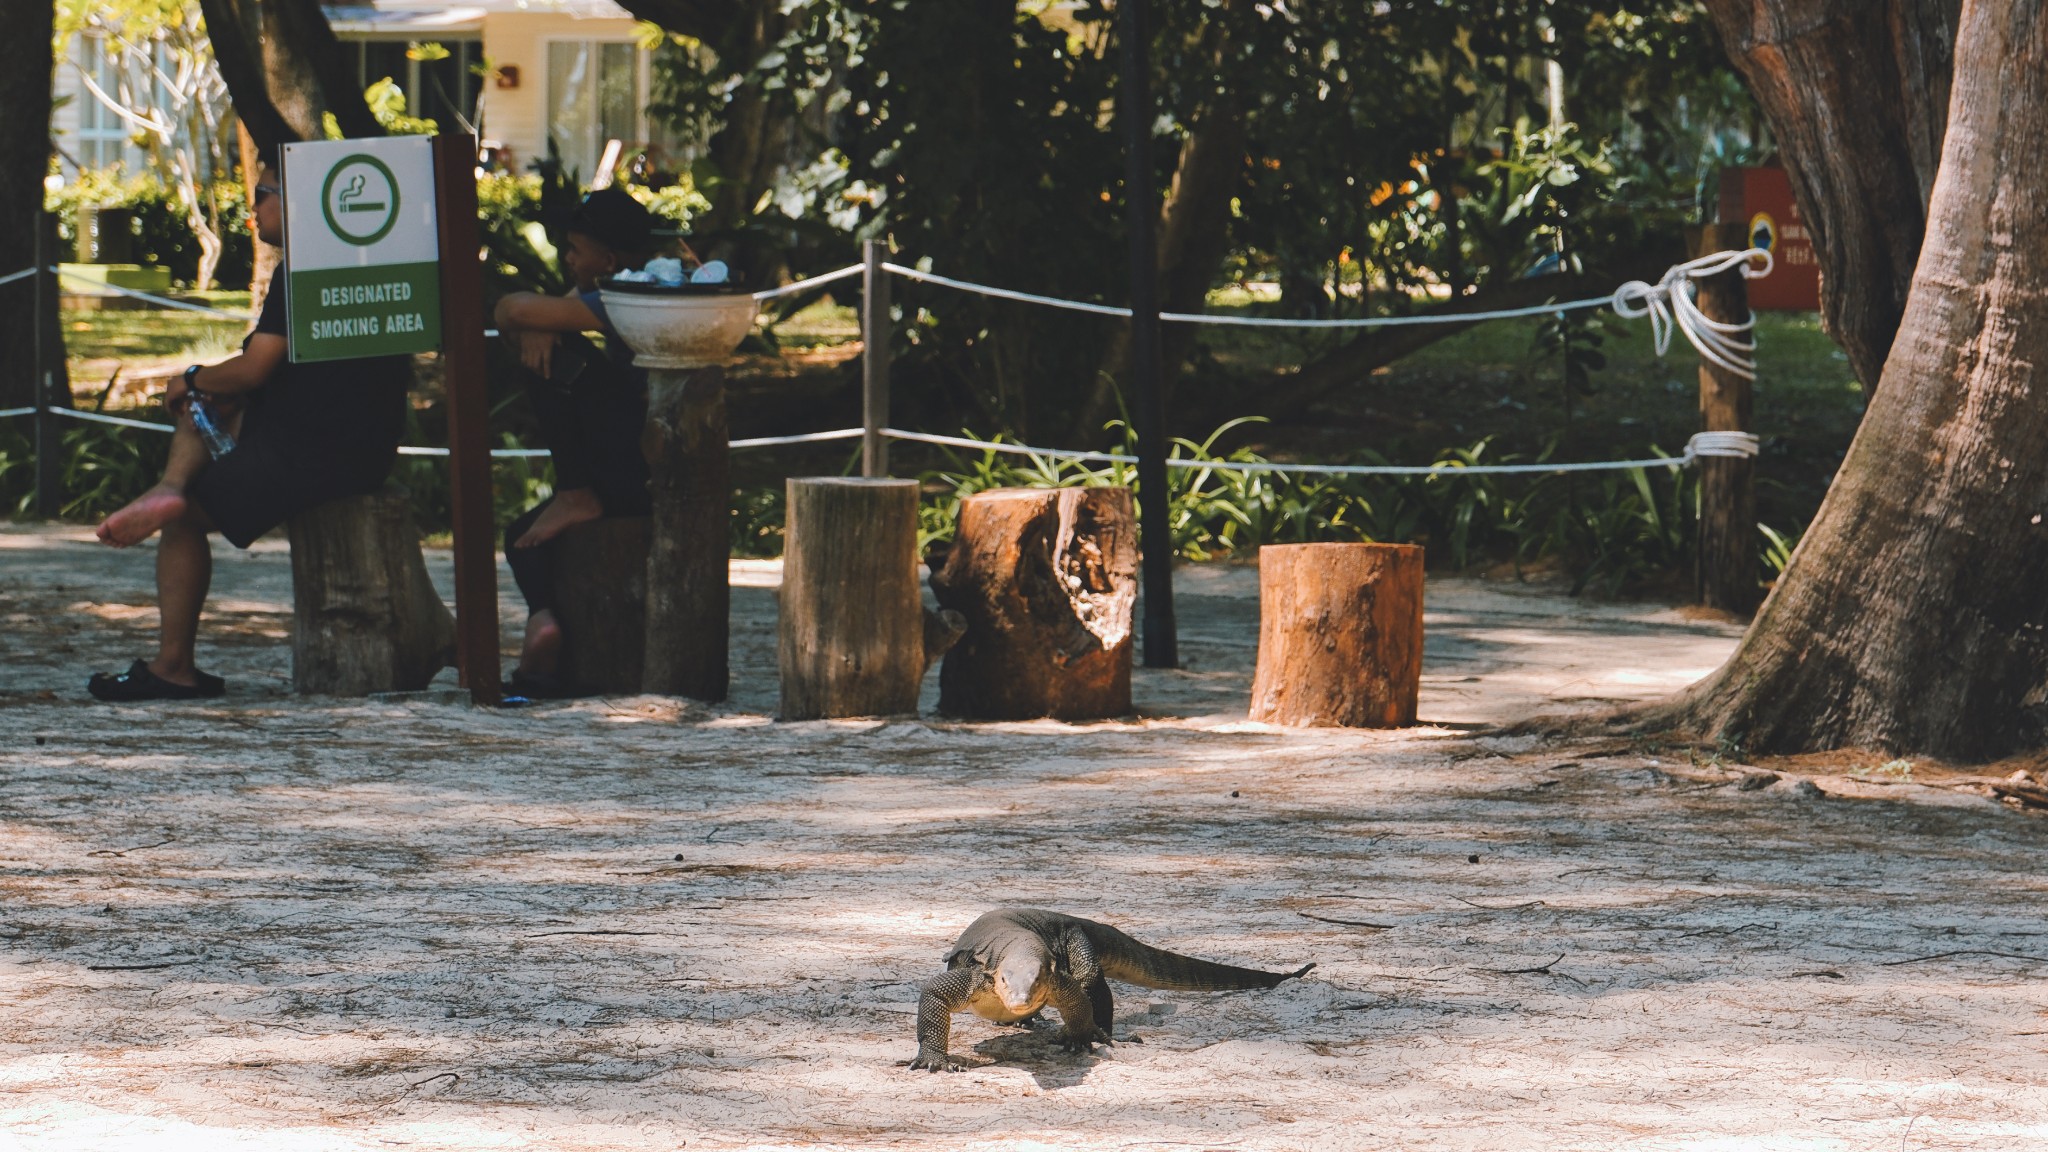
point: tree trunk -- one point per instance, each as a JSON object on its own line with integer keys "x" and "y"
{"x": 284, "y": 69}
{"x": 852, "y": 629}
{"x": 688, "y": 599}
{"x": 1046, "y": 579}
{"x": 365, "y": 616}
{"x": 1857, "y": 95}
{"x": 1727, "y": 574}
{"x": 1914, "y": 615}
{"x": 25, "y": 65}
{"x": 1340, "y": 635}
{"x": 600, "y": 577}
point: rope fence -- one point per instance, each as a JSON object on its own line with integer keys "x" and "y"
{"x": 1668, "y": 304}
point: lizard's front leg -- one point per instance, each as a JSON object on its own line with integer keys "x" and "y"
{"x": 1073, "y": 993}
{"x": 942, "y": 996}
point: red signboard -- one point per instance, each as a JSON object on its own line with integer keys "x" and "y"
{"x": 1761, "y": 199}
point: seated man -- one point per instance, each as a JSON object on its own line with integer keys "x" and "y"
{"x": 591, "y": 408}
{"x": 304, "y": 434}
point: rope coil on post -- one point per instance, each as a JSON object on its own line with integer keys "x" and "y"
{"x": 1669, "y": 304}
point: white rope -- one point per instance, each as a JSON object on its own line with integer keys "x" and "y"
{"x": 805, "y": 438}
{"x": 1005, "y": 293}
{"x": 101, "y": 418}
{"x": 1669, "y": 304}
{"x": 806, "y": 285}
{"x": 6, "y": 412}
{"x": 116, "y": 290}
{"x": 11, "y": 277}
{"x": 1700, "y": 445}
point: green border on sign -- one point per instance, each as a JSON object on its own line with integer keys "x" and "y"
{"x": 327, "y": 209}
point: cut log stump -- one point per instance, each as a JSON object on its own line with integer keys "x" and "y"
{"x": 1340, "y": 635}
{"x": 689, "y": 601}
{"x": 600, "y": 576}
{"x": 854, "y": 640}
{"x": 1046, "y": 579}
{"x": 365, "y": 616}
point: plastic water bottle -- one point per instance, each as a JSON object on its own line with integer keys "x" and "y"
{"x": 218, "y": 442}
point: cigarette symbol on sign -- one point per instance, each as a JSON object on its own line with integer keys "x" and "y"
{"x": 360, "y": 199}
{"x": 351, "y": 200}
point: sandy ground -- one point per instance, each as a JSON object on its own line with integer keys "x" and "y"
{"x": 628, "y": 923}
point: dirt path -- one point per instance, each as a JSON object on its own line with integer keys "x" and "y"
{"x": 283, "y": 924}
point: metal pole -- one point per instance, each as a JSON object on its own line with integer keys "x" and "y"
{"x": 49, "y": 450}
{"x": 1155, "y": 533}
{"x": 875, "y": 331}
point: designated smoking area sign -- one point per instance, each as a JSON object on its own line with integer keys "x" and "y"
{"x": 360, "y": 246}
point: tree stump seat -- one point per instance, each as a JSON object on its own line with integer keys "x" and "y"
{"x": 599, "y": 569}
{"x": 1340, "y": 635}
{"x": 853, "y": 637}
{"x": 365, "y": 615}
{"x": 1046, "y": 580}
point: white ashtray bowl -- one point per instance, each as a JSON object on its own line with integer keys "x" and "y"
{"x": 695, "y": 326}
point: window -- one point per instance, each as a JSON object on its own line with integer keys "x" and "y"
{"x": 593, "y": 96}
{"x": 102, "y": 135}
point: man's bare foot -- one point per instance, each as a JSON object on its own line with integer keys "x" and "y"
{"x": 142, "y": 516}
{"x": 570, "y": 507}
{"x": 543, "y": 646}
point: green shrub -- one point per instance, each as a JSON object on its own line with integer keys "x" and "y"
{"x": 163, "y": 236}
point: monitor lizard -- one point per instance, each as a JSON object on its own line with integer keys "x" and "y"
{"x": 1012, "y": 962}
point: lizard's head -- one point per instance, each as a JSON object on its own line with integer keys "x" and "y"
{"x": 1016, "y": 980}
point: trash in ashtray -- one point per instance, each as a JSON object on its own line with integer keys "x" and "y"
{"x": 668, "y": 272}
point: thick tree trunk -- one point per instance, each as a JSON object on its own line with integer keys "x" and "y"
{"x": 1856, "y": 93}
{"x": 1914, "y": 615}
{"x": 688, "y": 597}
{"x": 365, "y": 616}
{"x": 25, "y": 64}
{"x": 1046, "y": 579}
{"x": 1340, "y": 635}
{"x": 284, "y": 68}
{"x": 600, "y": 576}
{"x": 852, "y": 629}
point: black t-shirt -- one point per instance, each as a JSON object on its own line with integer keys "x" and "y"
{"x": 340, "y": 412}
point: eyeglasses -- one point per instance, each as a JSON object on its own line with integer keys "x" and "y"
{"x": 263, "y": 190}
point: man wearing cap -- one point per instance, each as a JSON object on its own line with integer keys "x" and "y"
{"x": 591, "y": 406}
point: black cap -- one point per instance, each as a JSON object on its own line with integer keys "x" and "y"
{"x": 614, "y": 219}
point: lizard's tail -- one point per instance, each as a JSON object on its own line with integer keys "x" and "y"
{"x": 1131, "y": 962}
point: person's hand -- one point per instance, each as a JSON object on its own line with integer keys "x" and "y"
{"x": 537, "y": 352}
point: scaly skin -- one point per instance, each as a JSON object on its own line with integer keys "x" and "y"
{"x": 1069, "y": 963}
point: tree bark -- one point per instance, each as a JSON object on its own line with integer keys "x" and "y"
{"x": 600, "y": 577}
{"x": 1340, "y": 635}
{"x": 284, "y": 69}
{"x": 1914, "y": 614}
{"x": 851, "y": 633}
{"x": 688, "y": 597}
{"x": 25, "y": 70}
{"x": 1727, "y": 574}
{"x": 365, "y": 616}
{"x": 1856, "y": 93}
{"x": 1046, "y": 580}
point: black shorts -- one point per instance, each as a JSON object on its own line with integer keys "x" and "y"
{"x": 262, "y": 484}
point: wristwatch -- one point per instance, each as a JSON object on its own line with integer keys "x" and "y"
{"x": 192, "y": 378}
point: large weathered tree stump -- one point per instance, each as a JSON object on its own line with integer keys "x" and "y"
{"x": 1046, "y": 579}
{"x": 688, "y": 598}
{"x": 1340, "y": 635}
{"x": 600, "y": 577}
{"x": 854, "y": 639}
{"x": 365, "y": 616}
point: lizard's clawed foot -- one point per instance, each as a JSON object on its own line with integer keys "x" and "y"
{"x": 937, "y": 1062}
{"x": 1085, "y": 1045}
{"x": 1031, "y": 1023}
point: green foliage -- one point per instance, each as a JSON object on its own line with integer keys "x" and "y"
{"x": 163, "y": 236}
{"x": 1612, "y": 531}
{"x": 388, "y": 104}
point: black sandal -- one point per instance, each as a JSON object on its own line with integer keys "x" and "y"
{"x": 139, "y": 683}
{"x": 536, "y": 685}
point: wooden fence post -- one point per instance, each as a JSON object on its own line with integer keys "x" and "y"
{"x": 875, "y": 331}
{"x": 1726, "y": 576}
